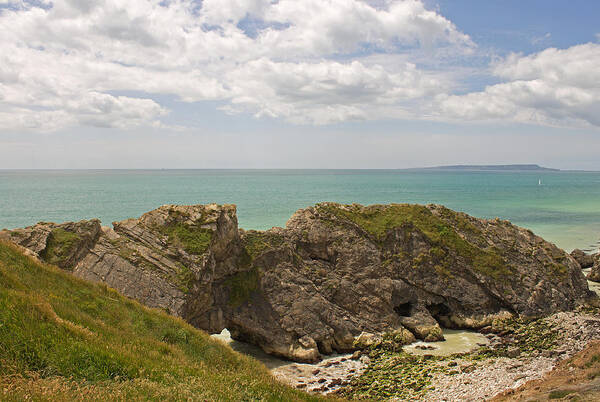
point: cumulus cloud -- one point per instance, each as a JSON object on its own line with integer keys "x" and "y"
{"x": 64, "y": 63}
{"x": 559, "y": 87}
{"x": 108, "y": 63}
{"x": 326, "y": 92}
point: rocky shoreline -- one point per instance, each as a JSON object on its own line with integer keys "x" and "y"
{"x": 359, "y": 282}
{"x": 514, "y": 357}
{"x": 517, "y": 353}
{"x": 491, "y": 376}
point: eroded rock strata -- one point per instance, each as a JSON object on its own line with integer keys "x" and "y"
{"x": 336, "y": 278}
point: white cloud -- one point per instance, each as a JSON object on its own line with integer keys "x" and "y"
{"x": 558, "y": 87}
{"x": 304, "y": 61}
{"x": 340, "y": 26}
{"x": 106, "y": 63}
{"x": 541, "y": 39}
{"x": 326, "y": 92}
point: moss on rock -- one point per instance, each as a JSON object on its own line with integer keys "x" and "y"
{"x": 59, "y": 247}
{"x": 192, "y": 238}
{"x": 447, "y": 243}
{"x": 256, "y": 243}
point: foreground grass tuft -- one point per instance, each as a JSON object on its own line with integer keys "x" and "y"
{"x": 65, "y": 339}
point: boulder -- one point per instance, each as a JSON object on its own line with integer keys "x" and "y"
{"x": 594, "y": 274}
{"x": 337, "y": 278}
{"x": 584, "y": 260}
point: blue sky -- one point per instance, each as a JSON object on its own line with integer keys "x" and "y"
{"x": 298, "y": 84}
{"x": 514, "y": 26}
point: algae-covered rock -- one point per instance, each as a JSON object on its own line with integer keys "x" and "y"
{"x": 336, "y": 278}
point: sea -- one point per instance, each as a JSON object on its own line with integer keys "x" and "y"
{"x": 561, "y": 206}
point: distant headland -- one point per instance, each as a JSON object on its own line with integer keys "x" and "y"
{"x": 526, "y": 167}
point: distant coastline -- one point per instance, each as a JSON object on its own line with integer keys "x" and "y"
{"x": 496, "y": 168}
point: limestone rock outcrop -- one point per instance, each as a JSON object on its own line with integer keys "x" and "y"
{"x": 336, "y": 278}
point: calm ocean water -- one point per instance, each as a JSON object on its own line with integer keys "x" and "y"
{"x": 564, "y": 209}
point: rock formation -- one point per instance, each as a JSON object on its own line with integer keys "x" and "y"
{"x": 584, "y": 260}
{"x": 336, "y": 278}
{"x": 588, "y": 261}
{"x": 594, "y": 274}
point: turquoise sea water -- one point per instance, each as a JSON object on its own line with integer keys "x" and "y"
{"x": 564, "y": 209}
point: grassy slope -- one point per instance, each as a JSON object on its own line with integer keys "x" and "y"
{"x": 63, "y": 339}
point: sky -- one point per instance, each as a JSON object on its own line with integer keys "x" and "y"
{"x": 298, "y": 83}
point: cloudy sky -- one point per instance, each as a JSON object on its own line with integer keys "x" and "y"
{"x": 298, "y": 83}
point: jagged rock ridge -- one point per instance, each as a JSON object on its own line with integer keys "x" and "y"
{"x": 336, "y": 278}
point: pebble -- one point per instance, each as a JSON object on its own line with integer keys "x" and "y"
{"x": 492, "y": 376}
{"x": 336, "y": 381}
{"x": 325, "y": 377}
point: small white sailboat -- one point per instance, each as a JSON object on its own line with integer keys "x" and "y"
{"x": 539, "y": 182}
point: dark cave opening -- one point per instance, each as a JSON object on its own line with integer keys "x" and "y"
{"x": 439, "y": 311}
{"x": 404, "y": 309}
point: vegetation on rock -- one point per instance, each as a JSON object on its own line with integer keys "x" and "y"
{"x": 60, "y": 244}
{"x": 523, "y": 336}
{"x": 193, "y": 239}
{"x": 395, "y": 375}
{"x": 256, "y": 243}
{"x": 379, "y": 220}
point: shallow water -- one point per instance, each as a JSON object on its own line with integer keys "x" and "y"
{"x": 457, "y": 341}
{"x": 564, "y": 209}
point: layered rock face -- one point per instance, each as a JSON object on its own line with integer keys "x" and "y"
{"x": 336, "y": 278}
{"x": 168, "y": 258}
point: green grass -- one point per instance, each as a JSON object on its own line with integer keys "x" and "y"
{"x": 559, "y": 394}
{"x": 257, "y": 242}
{"x": 378, "y": 220}
{"x": 59, "y": 247}
{"x": 62, "y": 338}
{"x": 194, "y": 240}
{"x": 184, "y": 278}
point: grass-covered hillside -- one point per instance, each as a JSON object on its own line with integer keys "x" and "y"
{"x": 65, "y": 339}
